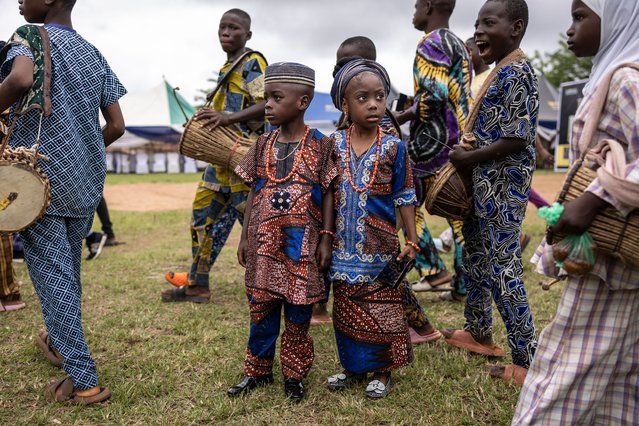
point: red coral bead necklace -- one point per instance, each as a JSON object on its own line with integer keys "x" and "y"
{"x": 298, "y": 156}
{"x": 370, "y": 183}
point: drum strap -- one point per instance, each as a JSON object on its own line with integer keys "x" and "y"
{"x": 227, "y": 75}
{"x": 220, "y": 83}
{"x": 609, "y": 155}
{"x": 36, "y": 39}
{"x": 468, "y": 138}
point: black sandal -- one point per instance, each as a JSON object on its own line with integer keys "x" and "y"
{"x": 179, "y": 295}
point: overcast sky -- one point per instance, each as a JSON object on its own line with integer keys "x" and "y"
{"x": 146, "y": 39}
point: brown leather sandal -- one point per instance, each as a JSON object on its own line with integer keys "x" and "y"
{"x": 43, "y": 342}
{"x": 62, "y": 390}
{"x": 509, "y": 373}
{"x": 464, "y": 340}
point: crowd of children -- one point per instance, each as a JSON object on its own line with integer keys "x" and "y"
{"x": 327, "y": 211}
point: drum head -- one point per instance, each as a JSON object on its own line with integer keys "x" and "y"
{"x": 24, "y": 196}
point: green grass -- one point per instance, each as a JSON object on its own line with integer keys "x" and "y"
{"x": 171, "y": 363}
{"x": 119, "y": 179}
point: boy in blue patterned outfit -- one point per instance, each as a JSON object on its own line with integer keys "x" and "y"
{"x": 502, "y": 165}
{"x": 73, "y": 82}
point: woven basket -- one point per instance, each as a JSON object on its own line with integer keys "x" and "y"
{"x": 614, "y": 235}
{"x": 223, "y": 146}
{"x": 450, "y": 195}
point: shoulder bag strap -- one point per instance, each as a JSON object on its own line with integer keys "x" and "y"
{"x": 468, "y": 137}
{"x": 227, "y": 75}
{"x": 596, "y": 108}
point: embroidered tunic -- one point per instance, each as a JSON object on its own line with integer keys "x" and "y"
{"x": 366, "y": 222}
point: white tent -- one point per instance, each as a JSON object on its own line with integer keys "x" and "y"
{"x": 154, "y": 123}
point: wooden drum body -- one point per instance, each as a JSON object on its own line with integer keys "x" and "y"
{"x": 614, "y": 234}
{"x": 223, "y": 146}
{"x": 450, "y": 195}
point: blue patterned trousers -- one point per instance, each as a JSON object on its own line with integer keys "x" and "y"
{"x": 495, "y": 272}
{"x": 53, "y": 253}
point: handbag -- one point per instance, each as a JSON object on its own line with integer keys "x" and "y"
{"x": 394, "y": 272}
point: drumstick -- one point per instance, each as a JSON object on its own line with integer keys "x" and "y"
{"x": 442, "y": 144}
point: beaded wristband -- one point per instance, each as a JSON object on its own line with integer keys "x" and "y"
{"x": 327, "y": 232}
{"x": 412, "y": 244}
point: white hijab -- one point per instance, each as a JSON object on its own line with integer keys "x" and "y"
{"x": 619, "y": 37}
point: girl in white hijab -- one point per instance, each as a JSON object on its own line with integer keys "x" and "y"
{"x": 619, "y": 41}
{"x": 586, "y": 368}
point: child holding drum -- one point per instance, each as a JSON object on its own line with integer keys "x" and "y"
{"x": 503, "y": 120}
{"x": 62, "y": 108}
{"x": 221, "y": 196}
{"x": 288, "y": 231}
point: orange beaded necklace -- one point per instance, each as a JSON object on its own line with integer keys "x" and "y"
{"x": 298, "y": 156}
{"x": 378, "y": 141}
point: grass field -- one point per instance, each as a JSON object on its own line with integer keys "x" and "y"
{"x": 170, "y": 364}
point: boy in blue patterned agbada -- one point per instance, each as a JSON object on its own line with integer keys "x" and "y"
{"x": 55, "y": 83}
{"x": 502, "y": 165}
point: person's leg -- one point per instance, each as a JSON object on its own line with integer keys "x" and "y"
{"x": 10, "y": 299}
{"x": 586, "y": 366}
{"x": 53, "y": 252}
{"x": 264, "y": 330}
{"x": 296, "y": 351}
{"x": 105, "y": 219}
{"x": 509, "y": 294}
{"x": 420, "y": 328}
{"x": 210, "y": 228}
{"x": 429, "y": 263}
{"x": 478, "y": 310}
{"x": 260, "y": 350}
{"x": 459, "y": 281}
{"x": 211, "y": 225}
{"x": 477, "y": 333}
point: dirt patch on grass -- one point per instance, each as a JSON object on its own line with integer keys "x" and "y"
{"x": 147, "y": 197}
{"x": 548, "y": 185}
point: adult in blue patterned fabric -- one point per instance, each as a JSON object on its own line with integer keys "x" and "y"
{"x": 221, "y": 195}
{"x": 81, "y": 84}
{"x": 502, "y": 166}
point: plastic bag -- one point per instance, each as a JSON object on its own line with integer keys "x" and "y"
{"x": 551, "y": 214}
{"x": 582, "y": 257}
{"x": 561, "y": 250}
{"x": 575, "y": 253}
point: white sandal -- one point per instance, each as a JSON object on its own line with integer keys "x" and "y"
{"x": 377, "y": 389}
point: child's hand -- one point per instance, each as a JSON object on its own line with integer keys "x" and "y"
{"x": 241, "y": 252}
{"x": 578, "y": 214}
{"x": 324, "y": 252}
{"x": 211, "y": 119}
{"x": 459, "y": 157}
{"x": 408, "y": 251}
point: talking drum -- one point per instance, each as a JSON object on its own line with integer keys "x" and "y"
{"x": 222, "y": 146}
{"x": 24, "y": 190}
{"x": 450, "y": 195}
